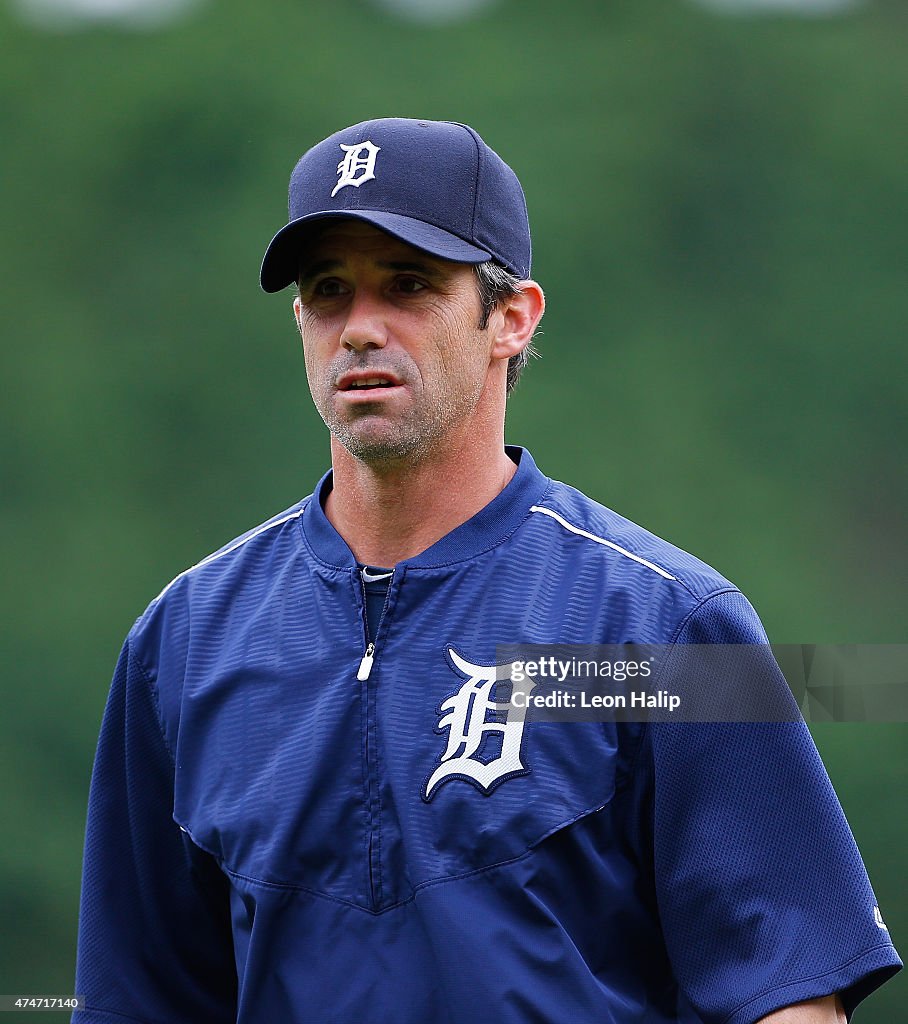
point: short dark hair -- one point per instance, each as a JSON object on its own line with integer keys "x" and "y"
{"x": 496, "y": 284}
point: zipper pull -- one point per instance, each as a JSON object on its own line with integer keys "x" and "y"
{"x": 365, "y": 666}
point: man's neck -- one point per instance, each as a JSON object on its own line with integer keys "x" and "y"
{"x": 389, "y": 513}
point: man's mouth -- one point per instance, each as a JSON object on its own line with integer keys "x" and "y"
{"x": 366, "y": 382}
{"x": 371, "y": 382}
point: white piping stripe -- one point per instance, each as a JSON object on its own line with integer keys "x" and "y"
{"x": 601, "y": 540}
{"x": 233, "y": 547}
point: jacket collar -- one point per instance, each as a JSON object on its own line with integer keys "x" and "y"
{"x": 488, "y": 527}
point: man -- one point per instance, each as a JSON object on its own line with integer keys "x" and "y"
{"x": 308, "y": 803}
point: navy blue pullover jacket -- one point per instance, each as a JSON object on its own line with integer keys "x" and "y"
{"x": 287, "y": 825}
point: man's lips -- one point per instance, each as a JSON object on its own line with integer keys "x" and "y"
{"x": 367, "y": 382}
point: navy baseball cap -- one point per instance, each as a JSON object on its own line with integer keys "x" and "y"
{"x": 433, "y": 184}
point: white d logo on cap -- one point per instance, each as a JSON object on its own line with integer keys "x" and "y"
{"x": 357, "y": 166}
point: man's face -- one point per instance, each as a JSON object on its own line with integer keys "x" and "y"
{"x": 395, "y": 358}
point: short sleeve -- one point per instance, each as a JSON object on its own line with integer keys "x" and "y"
{"x": 762, "y": 893}
{"x": 155, "y": 940}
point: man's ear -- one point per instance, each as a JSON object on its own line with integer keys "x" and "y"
{"x": 297, "y": 314}
{"x": 516, "y": 320}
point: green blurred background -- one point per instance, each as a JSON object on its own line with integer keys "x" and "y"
{"x": 719, "y": 209}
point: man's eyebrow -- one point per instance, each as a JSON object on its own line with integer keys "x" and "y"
{"x": 308, "y": 272}
{"x": 411, "y": 267}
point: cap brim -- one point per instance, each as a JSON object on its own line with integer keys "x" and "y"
{"x": 280, "y": 266}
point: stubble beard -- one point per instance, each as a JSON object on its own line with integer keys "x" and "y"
{"x": 413, "y": 439}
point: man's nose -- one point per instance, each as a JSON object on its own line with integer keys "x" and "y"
{"x": 365, "y": 326}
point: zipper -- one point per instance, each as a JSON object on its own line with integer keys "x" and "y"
{"x": 365, "y": 665}
{"x": 362, "y": 676}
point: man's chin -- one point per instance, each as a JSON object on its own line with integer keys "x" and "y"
{"x": 376, "y": 449}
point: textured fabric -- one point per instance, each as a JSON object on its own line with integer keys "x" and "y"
{"x": 266, "y": 841}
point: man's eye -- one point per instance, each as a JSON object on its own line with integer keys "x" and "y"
{"x": 329, "y": 288}
{"x": 410, "y": 285}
